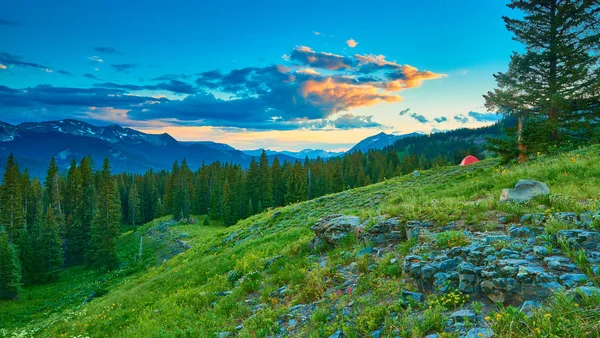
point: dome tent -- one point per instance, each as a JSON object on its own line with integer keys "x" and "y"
{"x": 469, "y": 160}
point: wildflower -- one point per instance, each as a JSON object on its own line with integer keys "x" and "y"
{"x": 547, "y": 315}
{"x": 487, "y": 318}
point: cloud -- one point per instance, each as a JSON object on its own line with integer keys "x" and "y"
{"x": 2, "y": 66}
{"x": 95, "y": 59}
{"x": 317, "y": 33}
{"x": 14, "y": 60}
{"x": 440, "y": 119}
{"x": 64, "y": 72}
{"x": 461, "y": 118}
{"x": 91, "y": 77}
{"x": 4, "y": 22}
{"x": 344, "y": 122}
{"x": 172, "y": 86}
{"x": 419, "y": 118}
{"x": 107, "y": 50}
{"x": 168, "y": 77}
{"x": 404, "y": 112}
{"x": 351, "y": 43}
{"x": 315, "y": 90}
{"x": 124, "y": 67}
{"x": 308, "y": 57}
{"x": 484, "y": 117}
{"x": 307, "y": 71}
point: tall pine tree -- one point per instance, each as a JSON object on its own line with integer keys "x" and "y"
{"x": 106, "y": 222}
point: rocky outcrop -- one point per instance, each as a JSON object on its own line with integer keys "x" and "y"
{"x": 332, "y": 229}
{"x": 505, "y": 269}
{"x": 524, "y": 191}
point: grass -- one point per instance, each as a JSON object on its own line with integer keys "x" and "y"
{"x": 217, "y": 284}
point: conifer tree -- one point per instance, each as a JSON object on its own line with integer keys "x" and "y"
{"x": 556, "y": 78}
{"x": 106, "y": 222}
{"x": 50, "y": 252}
{"x": 10, "y": 270}
{"x": 75, "y": 236}
{"x": 266, "y": 181}
{"x": 134, "y": 205}
{"x": 11, "y": 211}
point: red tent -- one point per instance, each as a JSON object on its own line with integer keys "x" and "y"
{"x": 469, "y": 160}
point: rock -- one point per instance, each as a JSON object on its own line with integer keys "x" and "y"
{"x": 415, "y": 296}
{"x": 460, "y": 316}
{"x": 529, "y": 306}
{"x": 525, "y": 190}
{"x": 389, "y": 231}
{"x": 480, "y": 332}
{"x": 376, "y": 333}
{"x": 565, "y": 217}
{"x": 540, "y": 251}
{"x": 559, "y": 263}
{"x": 587, "y": 291}
{"x": 364, "y": 252}
{"x": 535, "y": 219}
{"x": 573, "y": 279}
{"x": 416, "y": 173}
{"x": 584, "y": 238}
{"x": 495, "y": 238}
{"x": 449, "y": 264}
{"x": 224, "y": 334}
{"x": 337, "y": 334}
{"x": 292, "y": 323}
{"x": 333, "y": 228}
{"x": 547, "y": 289}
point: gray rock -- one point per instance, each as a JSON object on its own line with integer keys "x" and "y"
{"x": 495, "y": 238}
{"x": 529, "y": 306}
{"x": 415, "y": 296}
{"x": 337, "y": 334}
{"x": 524, "y": 191}
{"x": 559, "y": 263}
{"x": 573, "y": 279}
{"x": 376, "y": 333}
{"x": 540, "y": 251}
{"x": 584, "y": 238}
{"x": 480, "y": 332}
{"x": 460, "y": 316}
{"x": 364, "y": 252}
{"x": 416, "y": 173}
{"x": 333, "y": 228}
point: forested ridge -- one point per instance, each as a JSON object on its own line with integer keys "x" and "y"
{"x": 74, "y": 217}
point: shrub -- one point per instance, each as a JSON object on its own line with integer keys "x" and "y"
{"x": 451, "y": 239}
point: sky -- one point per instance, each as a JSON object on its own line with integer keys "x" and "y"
{"x": 254, "y": 74}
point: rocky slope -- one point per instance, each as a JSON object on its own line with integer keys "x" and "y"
{"x": 428, "y": 255}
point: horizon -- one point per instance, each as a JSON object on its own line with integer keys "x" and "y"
{"x": 250, "y": 82}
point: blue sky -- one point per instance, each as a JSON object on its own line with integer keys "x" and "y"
{"x": 272, "y": 74}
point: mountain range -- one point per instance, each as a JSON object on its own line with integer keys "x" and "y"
{"x": 35, "y": 143}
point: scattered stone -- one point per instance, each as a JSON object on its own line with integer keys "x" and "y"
{"x": 573, "y": 279}
{"x": 364, "y": 252}
{"x": 480, "y": 332}
{"x": 415, "y": 296}
{"x": 333, "y": 228}
{"x": 525, "y": 190}
{"x": 529, "y": 306}
{"x": 461, "y": 315}
{"x": 337, "y": 334}
{"x": 559, "y": 263}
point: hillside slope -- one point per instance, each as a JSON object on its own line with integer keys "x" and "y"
{"x": 259, "y": 278}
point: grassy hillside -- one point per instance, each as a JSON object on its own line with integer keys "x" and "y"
{"x": 259, "y": 279}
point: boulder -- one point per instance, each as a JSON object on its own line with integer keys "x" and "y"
{"x": 333, "y": 228}
{"x": 524, "y": 191}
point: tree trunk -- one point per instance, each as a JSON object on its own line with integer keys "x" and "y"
{"x": 523, "y": 156}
